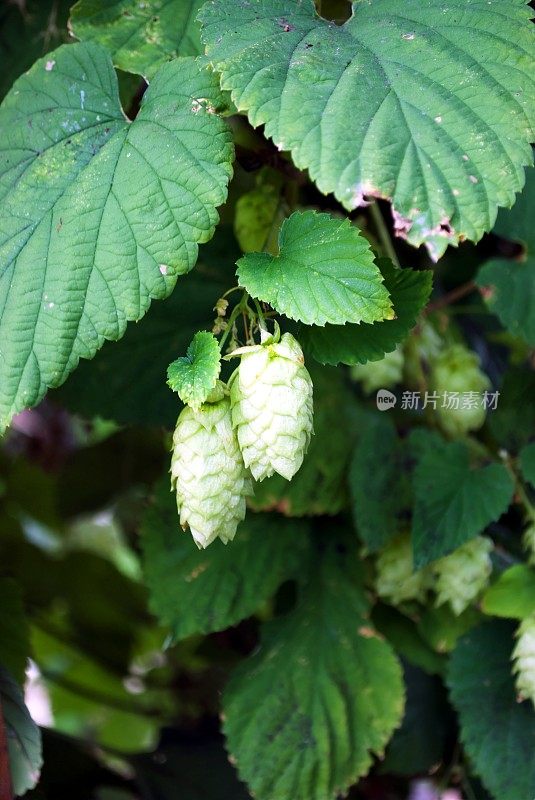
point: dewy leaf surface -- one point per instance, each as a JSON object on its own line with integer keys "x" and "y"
{"x": 427, "y": 103}
{"x": 324, "y": 272}
{"x": 98, "y": 215}
{"x": 139, "y": 36}
{"x": 304, "y": 714}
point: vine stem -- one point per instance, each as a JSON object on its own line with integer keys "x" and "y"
{"x": 383, "y": 233}
{"x": 519, "y": 486}
{"x": 451, "y": 297}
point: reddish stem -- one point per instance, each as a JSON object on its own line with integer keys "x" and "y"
{"x": 6, "y": 790}
{"x": 452, "y": 297}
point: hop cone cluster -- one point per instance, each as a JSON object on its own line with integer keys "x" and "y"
{"x": 271, "y": 399}
{"x": 396, "y": 579}
{"x": 208, "y": 472}
{"x": 524, "y": 659}
{"x": 382, "y": 374}
{"x": 461, "y": 576}
{"x": 457, "y": 369}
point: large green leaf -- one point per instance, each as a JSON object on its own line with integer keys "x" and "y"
{"x": 139, "y": 36}
{"x": 513, "y": 594}
{"x": 320, "y": 486}
{"x": 197, "y": 591}
{"x": 454, "y": 500}
{"x": 357, "y": 344}
{"x": 324, "y": 272}
{"x": 431, "y": 105}
{"x": 98, "y": 215}
{"x": 14, "y": 633}
{"x": 305, "y": 713}
{"x": 23, "y": 736}
{"x": 497, "y": 731}
{"x": 113, "y": 386}
{"x": 378, "y": 483}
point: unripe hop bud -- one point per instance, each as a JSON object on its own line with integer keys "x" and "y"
{"x": 271, "y": 398}
{"x": 208, "y": 472}
{"x": 463, "y": 574}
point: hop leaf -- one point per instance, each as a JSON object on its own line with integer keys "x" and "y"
{"x": 194, "y": 375}
{"x": 207, "y": 471}
{"x": 271, "y": 396}
{"x": 462, "y": 575}
{"x": 396, "y": 579}
{"x": 456, "y": 369}
{"x": 524, "y": 659}
{"x": 382, "y": 374}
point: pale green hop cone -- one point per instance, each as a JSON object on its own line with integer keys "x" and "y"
{"x": 457, "y": 370}
{"x": 461, "y": 576}
{"x": 524, "y": 659}
{"x": 207, "y": 471}
{"x": 396, "y": 579}
{"x": 271, "y": 398}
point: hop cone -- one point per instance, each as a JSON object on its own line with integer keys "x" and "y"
{"x": 396, "y": 579}
{"x": 524, "y": 659}
{"x": 381, "y": 374}
{"x": 461, "y": 576}
{"x": 207, "y": 471}
{"x": 456, "y": 369}
{"x": 271, "y": 397}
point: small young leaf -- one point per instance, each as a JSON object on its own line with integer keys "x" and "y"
{"x": 454, "y": 501}
{"x": 139, "y": 36}
{"x": 431, "y": 105}
{"x": 96, "y": 217}
{"x": 194, "y": 375}
{"x": 357, "y": 344}
{"x": 324, "y": 272}
{"x": 497, "y": 731}
{"x": 23, "y": 736}
{"x": 200, "y": 591}
{"x": 513, "y": 594}
{"x": 305, "y": 713}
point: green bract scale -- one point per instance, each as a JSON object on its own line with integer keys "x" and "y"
{"x": 271, "y": 397}
{"x": 458, "y": 380}
{"x": 208, "y": 472}
{"x": 524, "y": 659}
{"x": 396, "y": 579}
{"x": 462, "y": 575}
